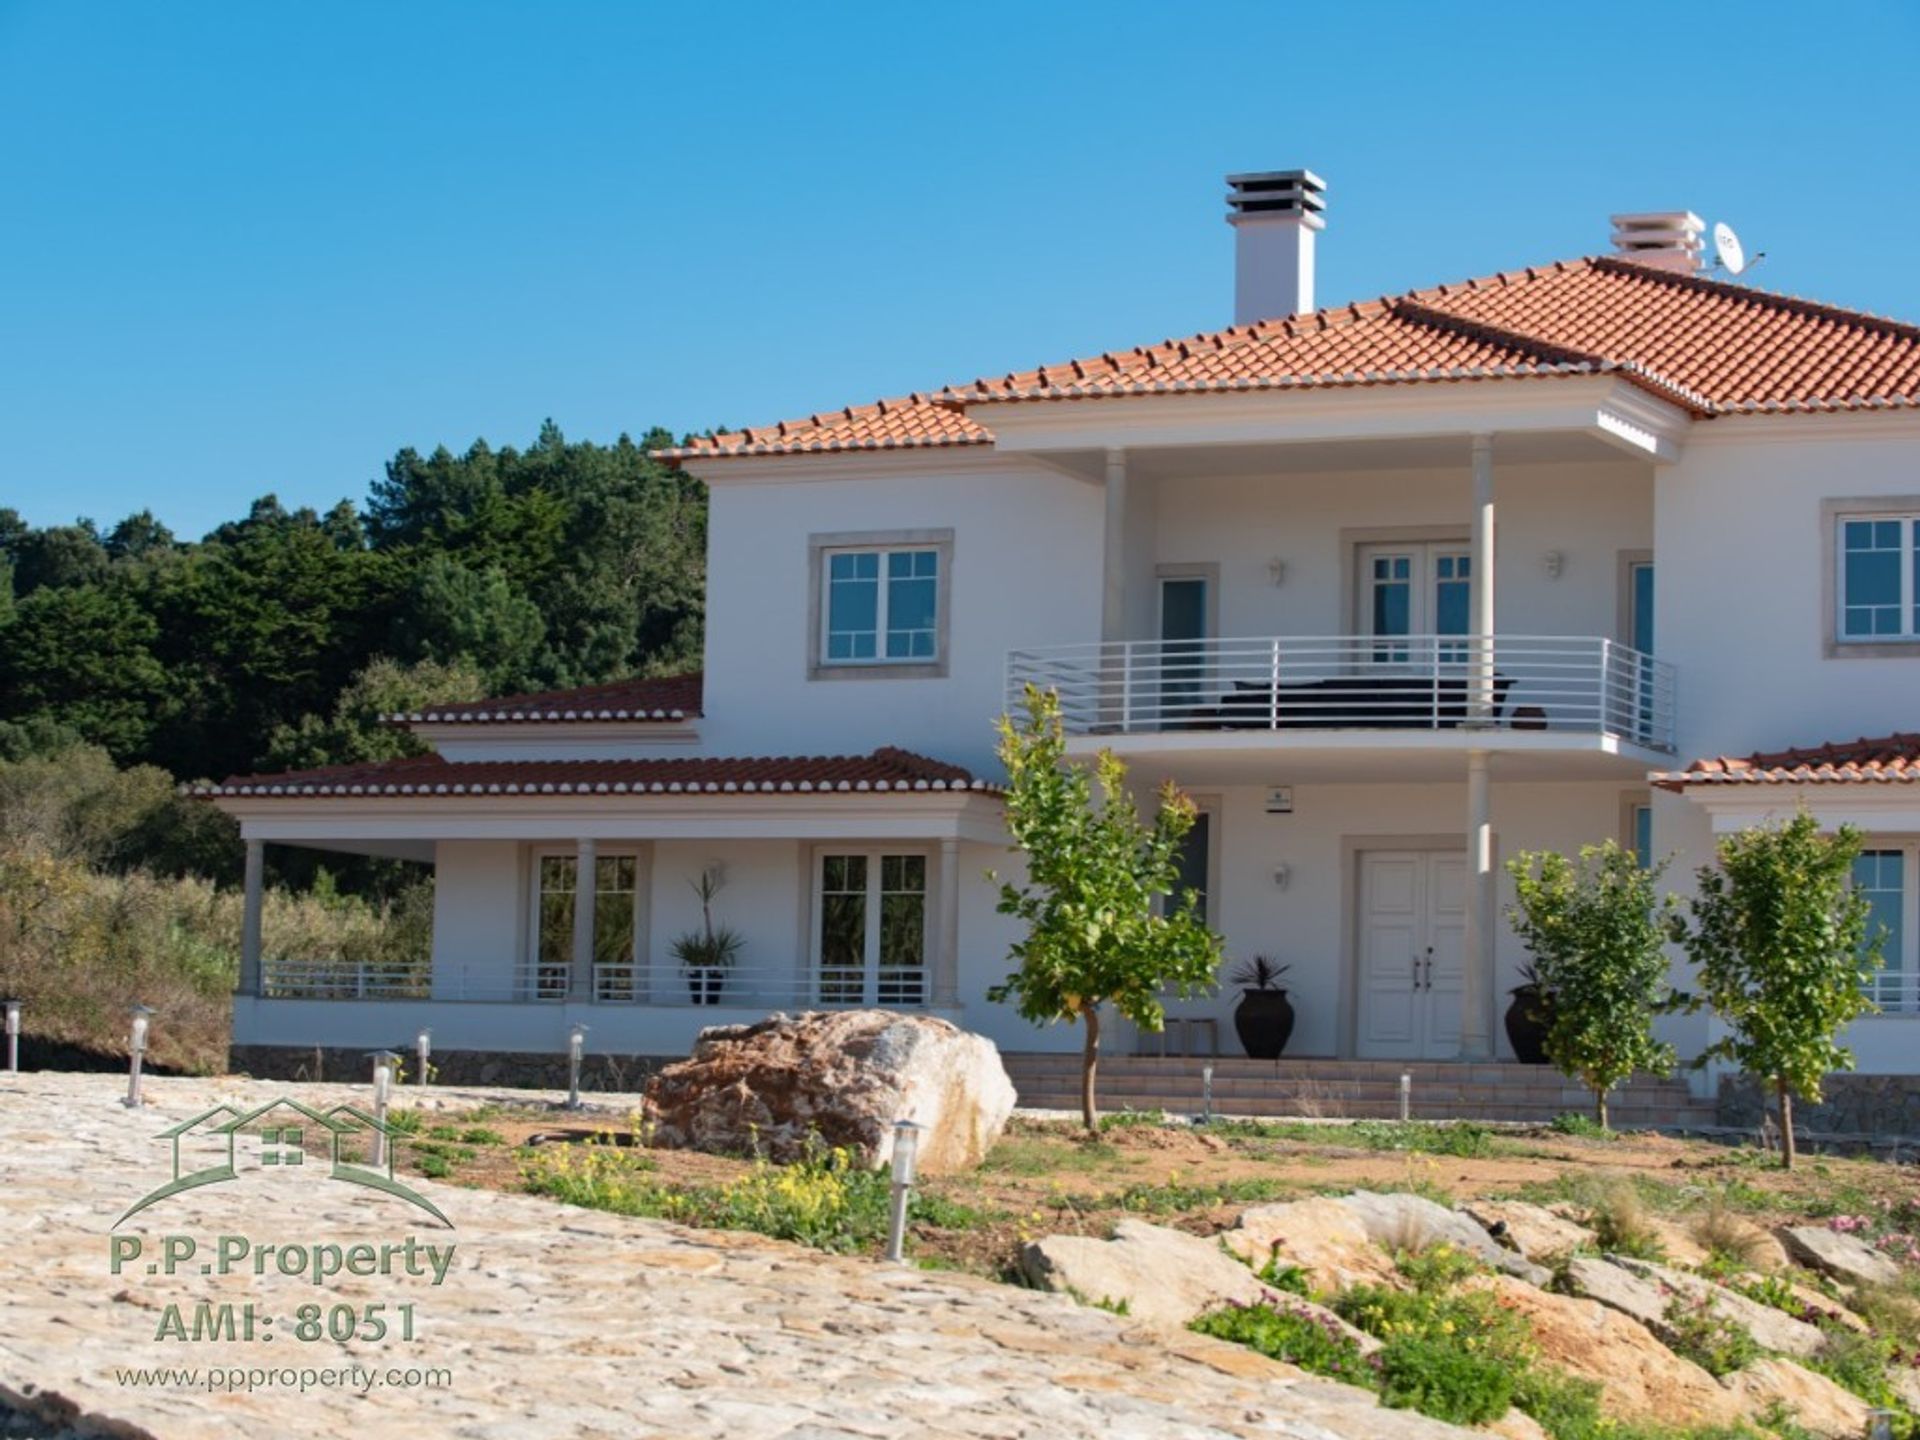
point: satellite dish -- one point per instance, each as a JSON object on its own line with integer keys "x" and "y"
{"x": 1727, "y": 249}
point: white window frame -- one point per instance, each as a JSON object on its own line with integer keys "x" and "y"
{"x": 875, "y": 855}
{"x": 527, "y": 978}
{"x": 820, "y": 550}
{"x": 1906, "y": 1001}
{"x": 1834, "y": 515}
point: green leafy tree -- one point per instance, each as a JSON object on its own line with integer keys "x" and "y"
{"x": 1597, "y": 930}
{"x": 82, "y": 658}
{"x": 1104, "y": 925}
{"x": 1779, "y": 940}
{"x": 355, "y": 731}
{"x": 472, "y": 619}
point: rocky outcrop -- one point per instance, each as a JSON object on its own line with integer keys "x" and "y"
{"x": 1847, "y": 1258}
{"x": 1815, "y": 1402}
{"x": 1399, "y": 1221}
{"x": 845, "y": 1076}
{"x": 1643, "y": 1379}
{"x": 1533, "y": 1230}
{"x": 1159, "y": 1276}
{"x": 1772, "y": 1329}
{"x": 1321, "y": 1236}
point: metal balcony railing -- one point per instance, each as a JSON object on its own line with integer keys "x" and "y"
{"x": 1580, "y": 683}
{"x": 666, "y": 985}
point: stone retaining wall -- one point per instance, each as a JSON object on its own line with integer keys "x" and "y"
{"x": 1854, "y": 1105}
{"x": 517, "y": 1070}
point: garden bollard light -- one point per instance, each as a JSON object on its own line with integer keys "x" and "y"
{"x": 13, "y": 1037}
{"x": 383, "y": 1063}
{"x": 423, "y": 1047}
{"x": 576, "y": 1047}
{"x": 1206, "y": 1094}
{"x": 136, "y": 1051}
{"x": 906, "y": 1150}
{"x": 1406, "y": 1097}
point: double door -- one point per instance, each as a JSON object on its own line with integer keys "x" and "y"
{"x": 1412, "y": 935}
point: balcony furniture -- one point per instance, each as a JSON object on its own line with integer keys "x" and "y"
{"x": 1369, "y": 702}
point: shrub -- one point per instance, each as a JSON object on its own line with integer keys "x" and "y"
{"x": 1299, "y": 1337}
{"x": 1618, "y": 1217}
{"x": 1474, "y": 1320}
{"x": 1445, "y": 1379}
{"x": 1291, "y": 1279}
{"x": 1565, "y": 1406}
{"x": 1438, "y": 1267}
{"x": 1583, "y": 1127}
{"x": 1697, "y": 1332}
{"x": 1732, "y": 1242}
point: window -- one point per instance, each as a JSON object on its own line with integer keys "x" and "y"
{"x": 871, "y": 928}
{"x": 1883, "y": 876}
{"x": 882, "y": 606}
{"x": 1642, "y": 817}
{"x": 1195, "y": 860}
{"x": 1878, "y": 572}
{"x": 616, "y": 927}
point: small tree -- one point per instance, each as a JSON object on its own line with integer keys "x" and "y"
{"x": 1597, "y": 930}
{"x": 1098, "y": 931}
{"x": 1779, "y": 939}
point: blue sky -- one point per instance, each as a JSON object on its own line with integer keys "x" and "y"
{"x": 252, "y": 248}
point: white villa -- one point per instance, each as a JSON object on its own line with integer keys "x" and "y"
{"x": 1397, "y": 589}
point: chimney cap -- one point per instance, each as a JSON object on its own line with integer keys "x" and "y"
{"x": 1279, "y": 194}
{"x": 1670, "y": 239}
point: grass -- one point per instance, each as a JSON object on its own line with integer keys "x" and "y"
{"x": 1462, "y": 1139}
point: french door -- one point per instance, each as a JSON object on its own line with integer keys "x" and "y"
{"x": 1420, "y": 588}
{"x": 1412, "y": 938}
{"x": 870, "y": 927}
{"x": 1183, "y": 635}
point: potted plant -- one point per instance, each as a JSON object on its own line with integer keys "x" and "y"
{"x": 706, "y": 954}
{"x": 1529, "y": 1018}
{"x": 1264, "y": 1016}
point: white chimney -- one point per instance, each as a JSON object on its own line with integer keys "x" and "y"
{"x": 1275, "y": 216}
{"x": 1670, "y": 239}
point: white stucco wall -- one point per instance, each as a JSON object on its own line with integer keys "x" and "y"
{"x": 1025, "y": 570}
{"x": 1588, "y": 512}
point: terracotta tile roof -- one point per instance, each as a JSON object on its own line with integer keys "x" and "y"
{"x": 673, "y": 697}
{"x": 1889, "y": 759}
{"x": 1712, "y": 347}
{"x": 887, "y": 770}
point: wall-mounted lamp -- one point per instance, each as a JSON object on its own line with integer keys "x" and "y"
{"x": 1282, "y": 876}
{"x": 1553, "y": 562}
{"x": 1277, "y": 569}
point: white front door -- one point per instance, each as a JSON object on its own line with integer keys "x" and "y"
{"x": 1412, "y": 927}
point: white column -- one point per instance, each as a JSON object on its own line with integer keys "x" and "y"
{"x": 1113, "y": 569}
{"x": 1481, "y": 588}
{"x": 585, "y": 882}
{"x": 1476, "y": 963}
{"x": 250, "y": 918}
{"x": 946, "y": 977}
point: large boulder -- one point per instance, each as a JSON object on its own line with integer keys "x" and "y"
{"x": 1643, "y": 1379}
{"x": 1159, "y": 1276}
{"x": 846, "y": 1076}
{"x": 1847, "y": 1258}
{"x": 1321, "y": 1236}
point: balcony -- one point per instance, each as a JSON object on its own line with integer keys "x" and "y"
{"x": 1341, "y": 692}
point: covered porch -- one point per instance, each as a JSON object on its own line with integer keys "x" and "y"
{"x": 558, "y": 903}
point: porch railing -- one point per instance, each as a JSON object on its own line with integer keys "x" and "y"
{"x": 661, "y": 986}
{"x": 1578, "y": 683}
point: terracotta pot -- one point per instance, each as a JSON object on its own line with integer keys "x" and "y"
{"x": 1264, "y": 1020}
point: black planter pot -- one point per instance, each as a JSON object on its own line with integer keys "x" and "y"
{"x": 1527, "y": 1029}
{"x": 705, "y": 984}
{"x": 1264, "y": 1020}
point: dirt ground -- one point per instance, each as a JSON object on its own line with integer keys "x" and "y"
{"x": 1046, "y": 1177}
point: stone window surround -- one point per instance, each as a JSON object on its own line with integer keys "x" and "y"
{"x": 818, "y": 546}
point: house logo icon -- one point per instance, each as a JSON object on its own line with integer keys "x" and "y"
{"x": 227, "y": 1133}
